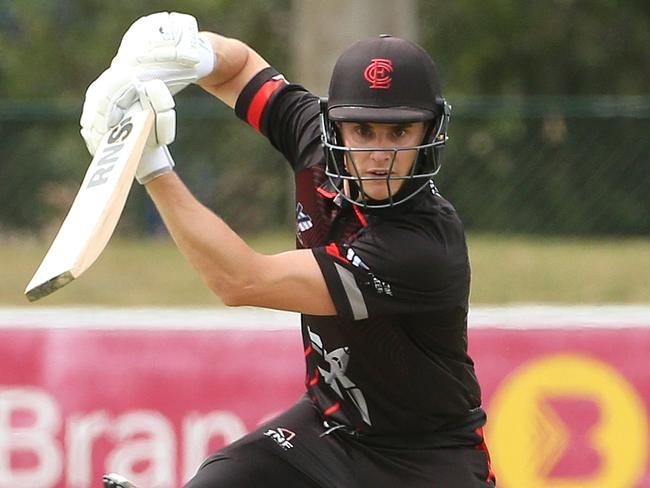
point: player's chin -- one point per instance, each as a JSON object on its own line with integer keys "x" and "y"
{"x": 379, "y": 190}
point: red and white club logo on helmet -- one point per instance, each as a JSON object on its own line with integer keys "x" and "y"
{"x": 378, "y": 73}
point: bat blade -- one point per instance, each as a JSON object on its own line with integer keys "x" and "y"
{"x": 97, "y": 207}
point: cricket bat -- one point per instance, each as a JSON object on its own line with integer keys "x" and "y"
{"x": 96, "y": 208}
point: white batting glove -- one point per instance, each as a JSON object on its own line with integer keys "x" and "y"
{"x": 106, "y": 103}
{"x": 156, "y": 159}
{"x": 166, "y": 46}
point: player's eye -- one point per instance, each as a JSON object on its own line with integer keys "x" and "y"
{"x": 363, "y": 130}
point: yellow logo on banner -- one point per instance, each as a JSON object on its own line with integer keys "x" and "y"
{"x": 567, "y": 421}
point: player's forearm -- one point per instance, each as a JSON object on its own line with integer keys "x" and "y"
{"x": 222, "y": 259}
{"x": 236, "y": 65}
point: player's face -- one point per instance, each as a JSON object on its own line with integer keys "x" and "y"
{"x": 384, "y": 164}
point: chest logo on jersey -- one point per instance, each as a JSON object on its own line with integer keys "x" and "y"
{"x": 303, "y": 221}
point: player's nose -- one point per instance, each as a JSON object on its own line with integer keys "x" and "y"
{"x": 381, "y": 155}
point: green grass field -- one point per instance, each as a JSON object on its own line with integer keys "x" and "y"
{"x": 505, "y": 270}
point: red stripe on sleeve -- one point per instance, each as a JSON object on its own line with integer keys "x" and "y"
{"x": 256, "y": 108}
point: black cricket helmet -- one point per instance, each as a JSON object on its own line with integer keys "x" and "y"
{"x": 388, "y": 80}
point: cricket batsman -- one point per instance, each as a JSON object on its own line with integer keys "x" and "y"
{"x": 381, "y": 275}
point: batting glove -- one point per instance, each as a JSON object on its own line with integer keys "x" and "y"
{"x": 166, "y": 46}
{"x": 111, "y": 95}
{"x": 105, "y": 105}
{"x": 156, "y": 159}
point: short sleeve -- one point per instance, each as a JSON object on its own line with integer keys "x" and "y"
{"x": 397, "y": 272}
{"x": 287, "y": 114}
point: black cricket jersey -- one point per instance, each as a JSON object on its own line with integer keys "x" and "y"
{"x": 393, "y": 363}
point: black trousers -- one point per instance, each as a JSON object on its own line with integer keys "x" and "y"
{"x": 293, "y": 451}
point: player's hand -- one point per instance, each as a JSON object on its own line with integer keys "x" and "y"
{"x": 107, "y": 101}
{"x": 109, "y": 97}
{"x": 105, "y": 105}
{"x": 166, "y": 46}
{"x": 156, "y": 159}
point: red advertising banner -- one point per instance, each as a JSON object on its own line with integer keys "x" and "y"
{"x": 86, "y": 393}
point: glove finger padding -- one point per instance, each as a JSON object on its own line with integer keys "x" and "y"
{"x": 107, "y": 99}
{"x": 156, "y": 95}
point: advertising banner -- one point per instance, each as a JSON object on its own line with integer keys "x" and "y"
{"x": 151, "y": 394}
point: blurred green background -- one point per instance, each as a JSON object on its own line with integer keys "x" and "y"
{"x": 548, "y": 161}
